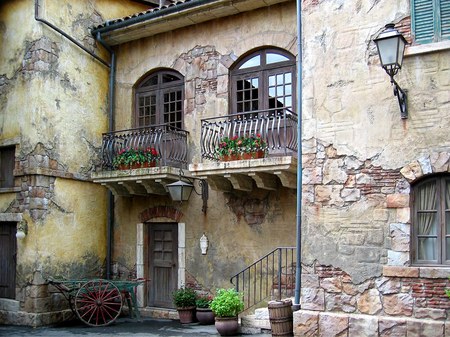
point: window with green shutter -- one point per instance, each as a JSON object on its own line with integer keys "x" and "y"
{"x": 430, "y": 20}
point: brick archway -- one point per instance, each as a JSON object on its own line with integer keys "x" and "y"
{"x": 161, "y": 212}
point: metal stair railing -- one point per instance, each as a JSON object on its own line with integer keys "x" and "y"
{"x": 272, "y": 277}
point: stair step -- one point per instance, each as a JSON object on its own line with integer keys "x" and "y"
{"x": 254, "y": 321}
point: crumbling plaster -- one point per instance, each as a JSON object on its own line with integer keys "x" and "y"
{"x": 53, "y": 101}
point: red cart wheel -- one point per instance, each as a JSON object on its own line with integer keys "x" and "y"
{"x": 98, "y": 303}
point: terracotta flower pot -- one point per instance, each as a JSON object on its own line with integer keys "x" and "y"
{"x": 205, "y": 316}
{"x": 187, "y": 315}
{"x": 227, "y": 326}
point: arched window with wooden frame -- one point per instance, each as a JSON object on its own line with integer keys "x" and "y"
{"x": 431, "y": 220}
{"x": 263, "y": 80}
{"x": 159, "y": 100}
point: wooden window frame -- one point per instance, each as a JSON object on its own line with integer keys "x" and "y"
{"x": 159, "y": 89}
{"x": 441, "y": 235}
{"x": 261, "y": 72}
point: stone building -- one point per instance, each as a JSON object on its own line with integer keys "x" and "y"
{"x": 375, "y": 190}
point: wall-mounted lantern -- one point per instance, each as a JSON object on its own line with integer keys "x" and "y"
{"x": 22, "y": 229}
{"x": 181, "y": 190}
{"x": 204, "y": 244}
{"x": 391, "y": 47}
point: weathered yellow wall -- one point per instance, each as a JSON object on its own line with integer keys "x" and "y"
{"x": 53, "y": 98}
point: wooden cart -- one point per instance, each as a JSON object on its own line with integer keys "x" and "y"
{"x": 98, "y": 302}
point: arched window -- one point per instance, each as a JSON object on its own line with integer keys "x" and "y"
{"x": 159, "y": 100}
{"x": 431, "y": 220}
{"x": 263, "y": 80}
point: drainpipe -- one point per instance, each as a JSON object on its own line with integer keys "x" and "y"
{"x": 298, "y": 269}
{"x": 111, "y": 121}
{"x": 67, "y": 36}
{"x": 112, "y": 67}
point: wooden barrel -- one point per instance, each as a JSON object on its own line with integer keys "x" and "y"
{"x": 280, "y": 316}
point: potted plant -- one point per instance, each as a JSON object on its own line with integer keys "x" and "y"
{"x": 244, "y": 147}
{"x": 226, "y": 306}
{"x": 203, "y": 311}
{"x": 135, "y": 158}
{"x": 184, "y": 300}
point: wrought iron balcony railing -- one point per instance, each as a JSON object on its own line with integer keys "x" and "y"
{"x": 170, "y": 143}
{"x": 277, "y": 127}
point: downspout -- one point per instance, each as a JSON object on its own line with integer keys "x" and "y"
{"x": 111, "y": 121}
{"x": 67, "y": 36}
{"x": 112, "y": 67}
{"x": 298, "y": 269}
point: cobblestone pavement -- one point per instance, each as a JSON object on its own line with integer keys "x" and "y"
{"x": 121, "y": 328}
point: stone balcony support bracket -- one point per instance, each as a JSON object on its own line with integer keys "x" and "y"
{"x": 244, "y": 175}
{"x": 140, "y": 182}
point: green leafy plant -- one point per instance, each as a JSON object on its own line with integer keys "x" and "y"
{"x": 203, "y": 301}
{"x": 238, "y": 145}
{"x": 130, "y": 156}
{"x": 184, "y": 297}
{"x": 227, "y": 303}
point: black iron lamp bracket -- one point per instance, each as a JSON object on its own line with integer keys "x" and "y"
{"x": 402, "y": 98}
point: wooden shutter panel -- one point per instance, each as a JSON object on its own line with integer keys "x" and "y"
{"x": 423, "y": 20}
{"x": 445, "y": 18}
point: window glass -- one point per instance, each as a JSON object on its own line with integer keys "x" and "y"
{"x": 267, "y": 84}
{"x": 431, "y": 223}
{"x": 275, "y": 58}
{"x": 253, "y": 62}
{"x": 160, "y": 100}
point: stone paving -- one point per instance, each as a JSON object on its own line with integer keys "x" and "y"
{"x": 122, "y": 327}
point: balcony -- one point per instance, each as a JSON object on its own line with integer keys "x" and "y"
{"x": 171, "y": 146}
{"x": 277, "y": 128}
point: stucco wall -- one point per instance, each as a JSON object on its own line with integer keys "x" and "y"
{"x": 240, "y": 227}
{"x": 53, "y": 108}
{"x": 352, "y": 130}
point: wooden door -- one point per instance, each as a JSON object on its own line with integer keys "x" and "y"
{"x": 8, "y": 260}
{"x": 163, "y": 264}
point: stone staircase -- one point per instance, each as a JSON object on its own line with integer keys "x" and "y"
{"x": 256, "y": 323}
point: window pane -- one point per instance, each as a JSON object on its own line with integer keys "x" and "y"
{"x": 426, "y": 224}
{"x": 272, "y": 80}
{"x": 447, "y": 194}
{"x": 447, "y": 248}
{"x": 288, "y": 78}
{"x": 253, "y": 62}
{"x": 274, "y": 58}
{"x": 166, "y": 78}
{"x": 427, "y": 249}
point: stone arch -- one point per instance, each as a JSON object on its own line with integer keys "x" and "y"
{"x": 161, "y": 212}
{"x": 436, "y": 162}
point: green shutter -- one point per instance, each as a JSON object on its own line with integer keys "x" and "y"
{"x": 445, "y": 19}
{"x": 422, "y": 20}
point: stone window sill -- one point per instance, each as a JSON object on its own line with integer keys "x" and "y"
{"x": 415, "y": 271}
{"x": 427, "y": 48}
{"x": 10, "y": 190}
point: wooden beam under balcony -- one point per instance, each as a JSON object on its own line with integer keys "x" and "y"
{"x": 244, "y": 175}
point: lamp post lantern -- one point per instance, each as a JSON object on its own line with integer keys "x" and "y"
{"x": 391, "y": 48}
